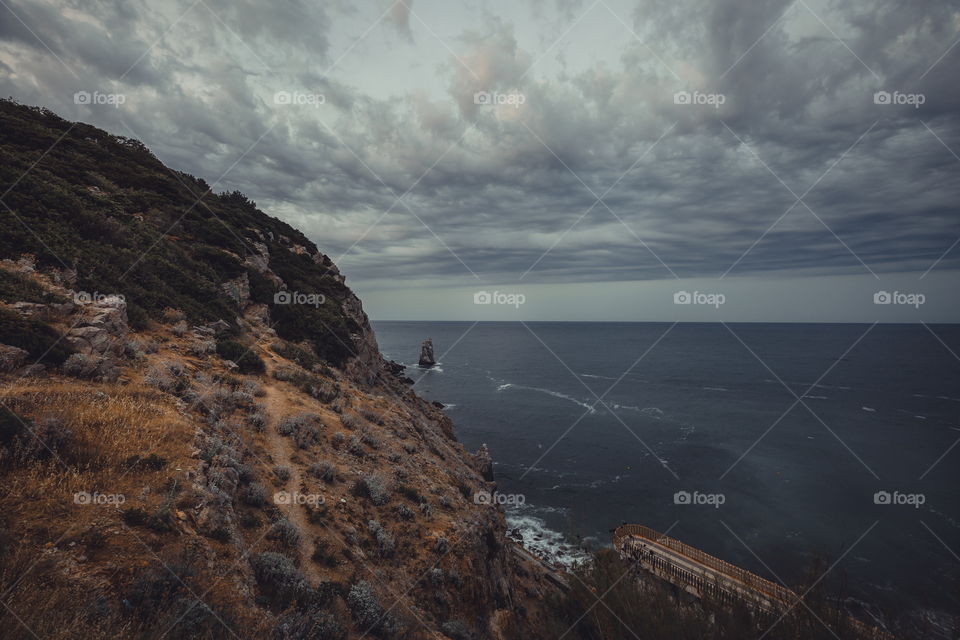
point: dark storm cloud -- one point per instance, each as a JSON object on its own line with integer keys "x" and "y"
{"x": 497, "y": 190}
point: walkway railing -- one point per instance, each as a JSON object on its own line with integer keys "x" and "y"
{"x": 763, "y": 589}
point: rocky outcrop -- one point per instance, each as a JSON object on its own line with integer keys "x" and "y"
{"x": 484, "y": 463}
{"x": 238, "y": 289}
{"x": 426, "y": 354}
{"x": 101, "y": 329}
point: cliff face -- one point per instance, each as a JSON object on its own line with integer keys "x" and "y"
{"x": 199, "y": 436}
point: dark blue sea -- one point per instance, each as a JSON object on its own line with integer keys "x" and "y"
{"x": 796, "y": 426}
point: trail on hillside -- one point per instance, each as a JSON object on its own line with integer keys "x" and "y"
{"x": 281, "y": 450}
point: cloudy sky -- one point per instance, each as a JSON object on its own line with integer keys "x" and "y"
{"x": 591, "y": 159}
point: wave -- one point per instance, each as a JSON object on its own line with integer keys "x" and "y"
{"x": 543, "y": 541}
{"x": 870, "y": 409}
{"x": 549, "y": 392}
{"x": 652, "y": 412}
{"x": 590, "y": 375}
{"x": 715, "y": 389}
{"x": 816, "y": 397}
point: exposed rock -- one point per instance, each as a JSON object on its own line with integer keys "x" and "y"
{"x": 11, "y": 358}
{"x": 426, "y": 354}
{"x": 91, "y": 367}
{"x": 219, "y": 326}
{"x": 46, "y": 311}
{"x": 260, "y": 262}
{"x": 31, "y": 370}
{"x": 238, "y": 289}
{"x": 102, "y": 329}
{"x": 484, "y": 463}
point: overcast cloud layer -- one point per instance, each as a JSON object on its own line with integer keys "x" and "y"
{"x": 792, "y": 178}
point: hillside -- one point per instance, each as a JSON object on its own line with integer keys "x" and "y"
{"x": 199, "y": 438}
{"x": 198, "y": 434}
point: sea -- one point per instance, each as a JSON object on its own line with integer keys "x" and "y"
{"x": 787, "y": 449}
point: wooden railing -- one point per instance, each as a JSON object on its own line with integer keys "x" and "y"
{"x": 777, "y": 594}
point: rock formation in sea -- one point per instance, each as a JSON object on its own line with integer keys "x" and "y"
{"x": 426, "y": 354}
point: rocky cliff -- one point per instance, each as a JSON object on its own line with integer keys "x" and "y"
{"x": 198, "y": 434}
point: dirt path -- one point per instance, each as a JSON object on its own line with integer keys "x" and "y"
{"x": 281, "y": 450}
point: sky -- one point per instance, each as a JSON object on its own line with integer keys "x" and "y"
{"x": 650, "y": 160}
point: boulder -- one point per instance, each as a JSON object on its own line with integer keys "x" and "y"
{"x": 426, "y": 354}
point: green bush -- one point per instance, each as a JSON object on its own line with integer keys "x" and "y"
{"x": 37, "y": 338}
{"x": 245, "y": 358}
{"x": 15, "y": 287}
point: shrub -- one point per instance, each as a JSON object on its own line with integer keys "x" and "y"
{"x": 253, "y": 388}
{"x": 281, "y": 473}
{"x": 11, "y": 425}
{"x": 48, "y": 439}
{"x": 325, "y": 471}
{"x": 246, "y": 359}
{"x": 258, "y": 419}
{"x": 369, "y": 439}
{"x": 442, "y": 545}
{"x": 313, "y": 624}
{"x": 366, "y": 607}
{"x": 278, "y": 577}
{"x": 325, "y": 392}
{"x": 385, "y": 542}
{"x": 338, "y": 439}
{"x": 350, "y": 421}
{"x": 294, "y": 353}
{"x": 88, "y": 366}
{"x": 166, "y": 376}
{"x": 304, "y": 428}
{"x": 322, "y": 553}
{"x": 203, "y": 347}
{"x": 410, "y": 493}
{"x": 137, "y": 517}
{"x": 256, "y": 495}
{"x": 356, "y": 447}
{"x": 405, "y": 513}
{"x": 457, "y": 630}
{"x": 38, "y": 339}
{"x": 286, "y": 533}
{"x": 373, "y": 487}
{"x": 152, "y": 462}
{"x": 372, "y": 415}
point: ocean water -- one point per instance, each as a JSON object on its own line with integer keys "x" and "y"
{"x": 782, "y": 434}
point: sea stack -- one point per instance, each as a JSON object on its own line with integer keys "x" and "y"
{"x": 426, "y": 354}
